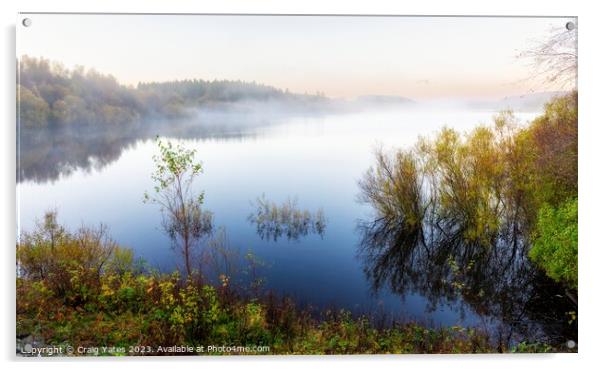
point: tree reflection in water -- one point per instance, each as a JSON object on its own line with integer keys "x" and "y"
{"x": 415, "y": 243}
{"x": 274, "y": 221}
{"x": 47, "y": 154}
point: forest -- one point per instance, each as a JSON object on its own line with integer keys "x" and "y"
{"x": 53, "y": 96}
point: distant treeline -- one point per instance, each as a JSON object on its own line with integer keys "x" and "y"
{"x": 52, "y": 95}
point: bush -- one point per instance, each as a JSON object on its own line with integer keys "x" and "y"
{"x": 555, "y": 242}
{"x": 70, "y": 264}
{"x": 79, "y": 288}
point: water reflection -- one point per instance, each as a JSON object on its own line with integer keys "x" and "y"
{"x": 414, "y": 245}
{"x": 47, "y": 154}
{"x": 274, "y": 221}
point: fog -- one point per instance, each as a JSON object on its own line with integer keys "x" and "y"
{"x": 82, "y": 119}
{"x": 46, "y": 154}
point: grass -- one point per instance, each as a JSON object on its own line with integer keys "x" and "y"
{"x": 137, "y": 313}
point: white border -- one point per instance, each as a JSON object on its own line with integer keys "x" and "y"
{"x": 590, "y": 98}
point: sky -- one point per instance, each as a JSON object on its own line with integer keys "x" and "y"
{"x": 343, "y": 57}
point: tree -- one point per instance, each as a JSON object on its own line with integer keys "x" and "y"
{"x": 555, "y": 243}
{"x": 34, "y": 111}
{"x": 554, "y": 141}
{"x": 184, "y": 220}
{"x": 504, "y": 185}
{"x": 554, "y": 61}
{"x": 52, "y": 95}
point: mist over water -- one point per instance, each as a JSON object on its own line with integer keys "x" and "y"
{"x": 314, "y": 159}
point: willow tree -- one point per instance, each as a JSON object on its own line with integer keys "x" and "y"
{"x": 184, "y": 220}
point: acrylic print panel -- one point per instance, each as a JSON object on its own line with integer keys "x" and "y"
{"x": 271, "y": 185}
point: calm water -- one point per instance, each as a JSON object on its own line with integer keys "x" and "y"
{"x": 315, "y": 160}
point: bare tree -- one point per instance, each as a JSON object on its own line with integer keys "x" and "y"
{"x": 554, "y": 60}
{"x": 184, "y": 221}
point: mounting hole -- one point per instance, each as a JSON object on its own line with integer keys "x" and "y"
{"x": 26, "y": 22}
{"x": 570, "y": 26}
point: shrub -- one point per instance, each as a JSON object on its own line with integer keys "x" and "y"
{"x": 555, "y": 242}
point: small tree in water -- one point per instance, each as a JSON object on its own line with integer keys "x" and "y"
{"x": 184, "y": 221}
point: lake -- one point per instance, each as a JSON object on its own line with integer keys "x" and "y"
{"x": 313, "y": 160}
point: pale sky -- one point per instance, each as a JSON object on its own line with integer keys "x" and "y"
{"x": 416, "y": 57}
